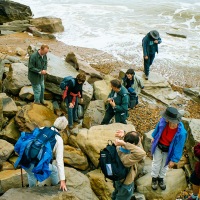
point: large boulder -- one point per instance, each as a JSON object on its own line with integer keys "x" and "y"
{"x": 5, "y": 150}
{"x": 96, "y": 138}
{"x": 11, "y": 132}
{"x": 10, "y": 10}
{"x": 9, "y": 106}
{"x": 33, "y": 115}
{"x": 194, "y": 93}
{"x": 81, "y": 65}
{"x": 48, "y": 24}
{"x": 94, "y": 114}
{"x": 103, "y": 189}
{"x": 192, "y": 126}
{"x": 102, "y": 88}
{"x": 75, "y": 158}
{"x": 12, "y": 179}
{"x": 175, "y": 181}
{"x": 16, "y": 78}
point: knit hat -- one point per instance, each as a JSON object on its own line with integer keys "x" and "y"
{"x": 61, "y": 123}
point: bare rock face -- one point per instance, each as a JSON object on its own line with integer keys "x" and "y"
{"x": 33, "y": 115}
{"x": 5, "y": 149}
{"x": 10, "y": 10}
{"x": 48, "y": 24}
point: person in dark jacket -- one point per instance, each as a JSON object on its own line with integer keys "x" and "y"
{"x": 150, "y": 47}
{"x": 37, "y": 68}
{"x": 117, "y": 106}
{"x": 133, "y": 84}
{"x": 73, "y": 92}
{"x": 195, "y": 176}
{"x": 168, "y": 142}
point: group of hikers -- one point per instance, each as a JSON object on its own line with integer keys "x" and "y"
{"x": 168, "y": 138}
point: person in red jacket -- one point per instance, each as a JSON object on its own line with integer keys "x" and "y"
{"x": 195, "y": 176}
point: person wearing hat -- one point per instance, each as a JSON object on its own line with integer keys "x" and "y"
{"x": 195, "y": 176}
{"x": 57, "y": 171}
{"x": 150, "y": 47}
{"x": 133, "y": 84}
{"x": 168, "y": 142}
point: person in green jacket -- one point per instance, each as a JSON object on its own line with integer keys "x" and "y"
{"x": 118, "y": 100}
{"x": 37, "y": 68}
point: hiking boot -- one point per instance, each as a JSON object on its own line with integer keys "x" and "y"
{"x": 70, "y": 126}
{"x": 146, "y": 77}
{"x": 44, "y": 104}
{"x": 154, "y": 183}
{"x": 161, "y": 183}
{"x": 77, "y": 120}
{"x": 38, "y": 103}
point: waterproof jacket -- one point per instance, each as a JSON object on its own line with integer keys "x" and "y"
{"x": 35, "y": 65}
{"x": 176, "y": 147}
{"x": 146, "y": 44}
{"x": 131, "y": 160}
{"x": 41, "y": 171}
{"x": 137, "y": 84}
{"x": 121, "y": 100}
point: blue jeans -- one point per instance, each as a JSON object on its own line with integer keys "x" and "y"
{"x": 148, "y": 63}
{"x": 72, "y": 112}
{"x": 38, "y": 90}
{"x": 122, "y": 191}
{"x": 32, "y": 180}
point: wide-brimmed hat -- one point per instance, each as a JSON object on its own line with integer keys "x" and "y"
{"x": 154, "y": 34}
{"x": 171, "y": 114}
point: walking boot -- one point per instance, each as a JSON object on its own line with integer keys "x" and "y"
{"x": 161, "y": 183}
{"x": 154, "y": 183}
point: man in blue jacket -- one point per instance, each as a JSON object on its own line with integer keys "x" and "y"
{"x": 168, "y": 142}
{"x": 150, "y": 47}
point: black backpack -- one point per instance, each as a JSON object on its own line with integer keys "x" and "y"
{"x": 111, "y": 165}
{"x": 65, "y": 82}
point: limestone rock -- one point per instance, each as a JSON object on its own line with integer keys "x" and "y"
{"x": 16, "y": 78}
{"x": 11, "y": 10}
{"x": 12, "y": 179}
{"x": 11, "y": 132}
{"x": 192, "y": 126}
{"x": 20, "y": 51}
{"x": 101, "y": 90}
{"x": 94, "y": 113}
{"x": 9, "y": 106}
{"x": 5, "y": 150}
{"x": 175, "y": 181}
{"x": 48, "y": 24}
{"x": 33, "y": 115}
{"x": 96, "y": 138}
{"x": 81, "y": 65}
{"x": 147, "y": 141}
{"x": 194, "y": 93}
{"x": 75, "y": 158}
{"x": 79, "y": 184}
{"x": 87, "y": 93}
{"x": 101, "y": 188}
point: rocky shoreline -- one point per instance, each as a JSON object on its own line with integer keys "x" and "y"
{"x": 83, "y": 143}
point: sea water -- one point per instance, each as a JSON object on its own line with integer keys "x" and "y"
{"x": 118, "y": 26}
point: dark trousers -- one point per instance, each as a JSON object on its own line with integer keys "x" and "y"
{"x": 119, "y": 117}
{"x": 122, "y": 191}
{"x": 72, "y": 112}
{"x": 148, "y": 63}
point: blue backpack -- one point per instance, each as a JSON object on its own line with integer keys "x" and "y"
{"x": 32, "y": 146}
{"x": 65, "y": 82}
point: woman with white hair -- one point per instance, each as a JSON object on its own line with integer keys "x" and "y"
{"x": 40, "y": 168}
